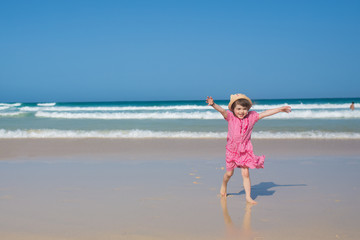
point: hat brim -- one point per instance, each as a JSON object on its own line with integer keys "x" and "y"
{"x": 236, "y": 97}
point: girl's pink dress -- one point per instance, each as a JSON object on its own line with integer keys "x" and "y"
{"x": 239, "y": 150}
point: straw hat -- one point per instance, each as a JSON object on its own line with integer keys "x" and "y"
{"x": 237, "y": 96}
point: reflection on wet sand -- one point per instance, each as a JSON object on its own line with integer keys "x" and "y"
{"x": 233, "y": 232}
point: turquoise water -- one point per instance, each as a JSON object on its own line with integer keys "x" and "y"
{"x": 310, "y": 118}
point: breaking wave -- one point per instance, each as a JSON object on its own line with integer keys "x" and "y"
{"x": 135, "y": 133}
{"x": 300, "y": 114}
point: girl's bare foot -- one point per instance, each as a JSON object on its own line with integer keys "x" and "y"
{"x": 250, "y": 200}
{"x": 223, "y": 191}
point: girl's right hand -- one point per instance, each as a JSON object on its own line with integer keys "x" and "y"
{"x": 209, "y": 101}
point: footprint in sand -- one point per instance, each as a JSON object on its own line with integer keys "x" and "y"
{"x": 196, "y": 177}
{"x": 6, "y": 197}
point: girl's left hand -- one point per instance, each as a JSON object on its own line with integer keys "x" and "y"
{"x": 286, "y": 109}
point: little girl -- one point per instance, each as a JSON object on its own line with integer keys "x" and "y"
{"x": 239, "y": 150}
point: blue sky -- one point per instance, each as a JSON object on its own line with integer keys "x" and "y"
{"x": 178, "y": 50}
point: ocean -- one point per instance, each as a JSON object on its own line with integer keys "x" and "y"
{"x": 309, "y": 119}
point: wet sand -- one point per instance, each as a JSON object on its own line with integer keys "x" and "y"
{"x": 168, "y": 148}
{"x": 168, "y": 189}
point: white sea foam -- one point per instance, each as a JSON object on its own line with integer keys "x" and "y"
{"x": 299, "y": 114}
{"x": 112, "y": 109}
{"x": 302, "y": 106}
{"x": 3, "y": 107}
{"x": 11, "y": 114}
{"x": 46, "y": 104}
{"x": 10, "y": 104}
{"x": 119, "y": 115}
{"x": 52, "y": 133}
{"x": 53, "y": 108}
{"x": 322, "y": 114}
{"x": 120, "y": 134}
{"x": 305, "y": 135}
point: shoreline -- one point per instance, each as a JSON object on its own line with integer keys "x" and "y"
{"x": 170, "y": 148}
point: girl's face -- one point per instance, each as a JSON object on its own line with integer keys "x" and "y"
{"x": 240, "y": 111}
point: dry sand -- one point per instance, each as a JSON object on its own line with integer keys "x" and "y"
{"x": 167, "y": 189}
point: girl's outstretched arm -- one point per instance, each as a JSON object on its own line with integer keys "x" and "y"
{"x": 273, "y": 111}
{"x": 210, "y": 102}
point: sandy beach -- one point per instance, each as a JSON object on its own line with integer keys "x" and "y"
{"x": 168, "y": 189}
{"x": 152, "y": 149}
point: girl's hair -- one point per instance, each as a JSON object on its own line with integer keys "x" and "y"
{"x": 242, "y": 102}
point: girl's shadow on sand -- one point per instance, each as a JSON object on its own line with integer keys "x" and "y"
{"x": 263, "y": 189}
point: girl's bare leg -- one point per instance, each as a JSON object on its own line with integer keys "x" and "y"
{"x": 226, "y": 179}
{"x": 247, "y": 185}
